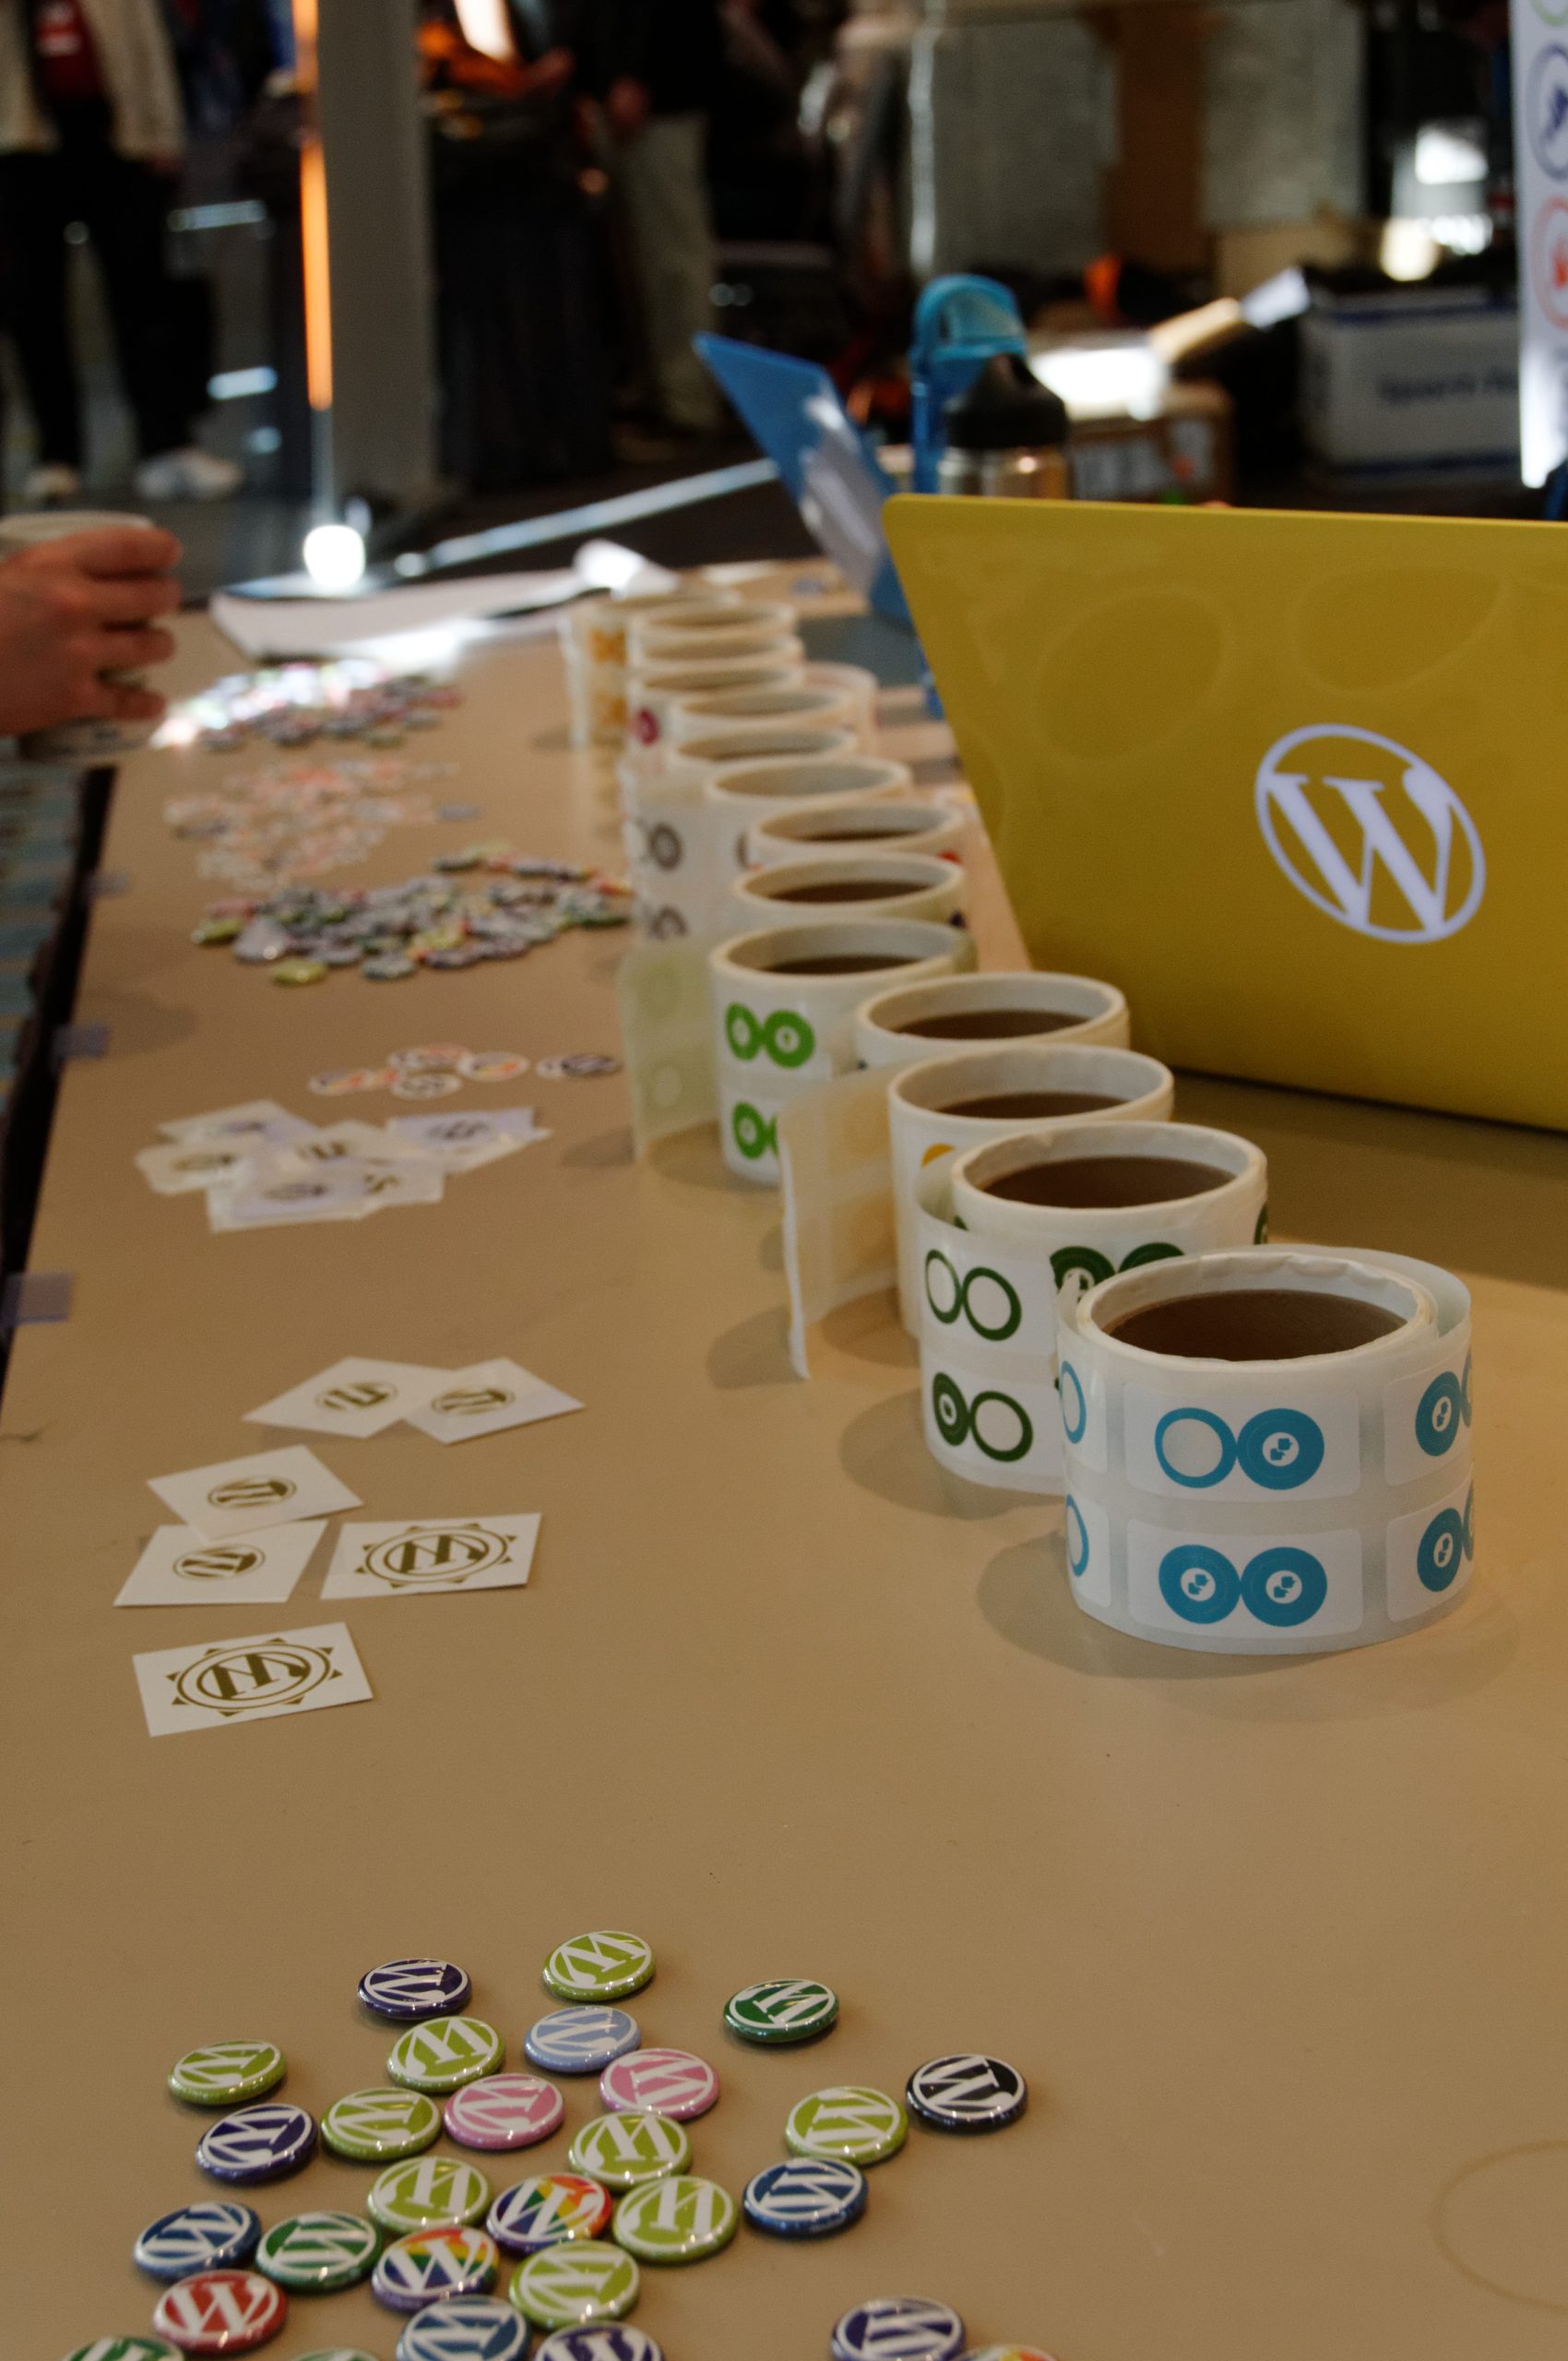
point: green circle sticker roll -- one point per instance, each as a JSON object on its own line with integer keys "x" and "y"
{"x": 790, "y": 2008}
{"x": 680, "y": 2220}
{"x": 621, "y": 2150}
{"x": 375, "y": 2126}
{"x": 446, "y": 2052}
{"x": 603, "y": 1966}
{"x": 228, "y": 2073}
{"x": 428, "y": 2193}
{"x": 573, "y": 2285}
{"x": 318, "y": 2251}
{"x": 857, "y": 2125}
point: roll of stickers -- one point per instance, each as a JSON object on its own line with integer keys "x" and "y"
{"x": 652, "y": 689}
{"x": 593, "y": 643}
{"x": 945, "y": 1106}
{"x": 862, "y": 689}
{"x": 666, "y": 1006}
{"x": 679, "y": 836}
{"x": 751, "y": 791}
{"x": 871, "y": 885}
{"x": 842, "y": 1237}
{"x": 845, "y": 831}
{"x": 802, "y": 706}
{"x": 1268, "y": 1453}
{"x": 720, "y": 622}
{"x": 996, "y": 1272}
{"x": 784, "y": 1002}
{"x": 913, "y": 1021}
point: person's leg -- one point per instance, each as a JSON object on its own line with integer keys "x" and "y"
{"x": 661, "y": 174}
{"x": 32, "y": 201}
{"x": 123, "y": 204}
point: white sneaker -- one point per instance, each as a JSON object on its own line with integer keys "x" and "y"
{"x": 50, "y": 484}
{"x": 190, "y": 474}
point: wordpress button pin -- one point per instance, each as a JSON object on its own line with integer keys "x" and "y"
{"x": 603, "y": 1966}
{"x": 258, "y": 2143}
{"x": 808, "y": 2198}
{"x": 465, "y": 2328}
{"x": 857, "y": 2125}
{"x": 209, "y": 2236}
{"x": 581, "y": 2040}
{"x": 968, "y": 2092}
{"x": 412, "y": 1988}
{"x": 220, "y": 2311}
{"x": 899, "y": 2327}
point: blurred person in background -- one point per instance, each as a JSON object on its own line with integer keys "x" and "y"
{"x": 92, "y": 131}
{"x": 653, "y": 66}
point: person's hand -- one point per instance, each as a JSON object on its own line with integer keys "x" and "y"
{"x": 166, "y": 167}
{"x": 71, "y": 611}
{"x": 627, "y": 104}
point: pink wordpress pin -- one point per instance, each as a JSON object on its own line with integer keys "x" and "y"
{"x": 504, "y": 2111}
{"x": 672, "y": 2082}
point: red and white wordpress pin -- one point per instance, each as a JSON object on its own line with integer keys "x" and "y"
{"x": 504, "y": 2111}
{"x": 220, "y": 2311}
{"x": 669, "y": 2081}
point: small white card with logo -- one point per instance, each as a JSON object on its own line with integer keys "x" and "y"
{"x": 177, "y": 1167}
{"x": 354, "y": 1397}
{"x": 242, "y": 1495}
{"x": 438, "y": 1554}
{"x": 250, "y": 1680}
{"x": 484, "y": 1399}
{"x": 179, "y": 1569}
{"x": 258, "y": 1120}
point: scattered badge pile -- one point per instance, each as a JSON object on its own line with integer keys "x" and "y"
{"x": 435, "y": 2238}
{"x": 289, "y": 705}
{"x": 300, "y": 820}
{"x": 262, "y": 1168}
{"x": 390, "y": 931}
{"x": 438, "y": 1068}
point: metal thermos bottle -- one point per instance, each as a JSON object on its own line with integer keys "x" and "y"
{"x": 1006, "y": 436}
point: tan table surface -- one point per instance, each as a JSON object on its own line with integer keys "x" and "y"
{"x": 1281, "y": 1946}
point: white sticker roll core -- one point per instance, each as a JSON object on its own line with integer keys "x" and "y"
{"x": 964, "y": 1013}
{"x": 928, "y": 1121}
{"x": 778, "y": 1033}
{"x": 1315, "y": 1499}
{"x": 896, "y": 886}
{"x": 845, "y": 831}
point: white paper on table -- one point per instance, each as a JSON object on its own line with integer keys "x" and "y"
{"x": 250, "y": 1680}
{"x": 177, "y": 1167}
{"x": 356, "y": 1397}
{"x": 271, "y": 1192}
{"x": 435, "y": 1554}
{"x": 263, "y": 1488}
{"x": 463, "y": 1142}
{"x": 485, "y": 1398}
{"x": 179, "y": 1569}
{"x": 258, "y": 1120}
{"x": 267, "y": 627}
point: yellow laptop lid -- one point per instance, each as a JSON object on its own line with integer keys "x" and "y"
{"x": 1299, "y": 784}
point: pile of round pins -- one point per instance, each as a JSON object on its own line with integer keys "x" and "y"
{"x": 291, "y": 705}
{"x": 437, "y": 1068}
{"x": 436, "y": 2239}
{"x": 391, "y": 931}
{"x": 261, "y": 829}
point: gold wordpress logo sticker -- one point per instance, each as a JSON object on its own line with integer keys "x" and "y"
{"x": 1370, "y": 833}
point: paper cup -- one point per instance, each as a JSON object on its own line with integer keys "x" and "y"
{"x": 84, "y": 741}
{"x": 990, "y": 1295}
{"x": 593, "y": 643}
{"x": 800, "y": 706}
{"x": 964, "y": 1012}
{"x": 1314, "y": 1498}
{"x": 845, "y": 831}
{"x": 776, "y": 1035}
{"x": 653, "y": 689}
{"x": 873, "y": 885}
{"x": 924, "y": 1129}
